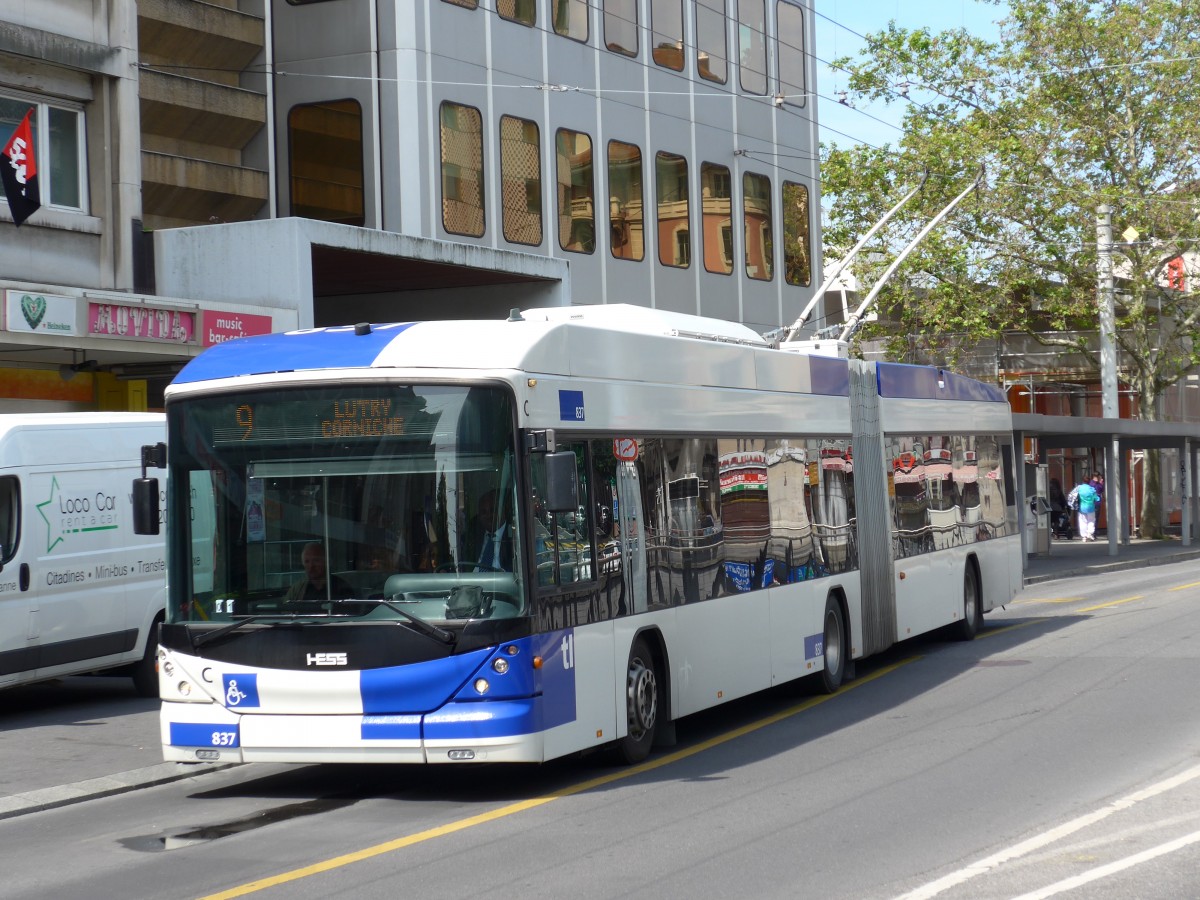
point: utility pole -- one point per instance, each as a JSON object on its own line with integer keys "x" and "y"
{"x": 1108, "y": 328}
{"x": 1108, "y": 373}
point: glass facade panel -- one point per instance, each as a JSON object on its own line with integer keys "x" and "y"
{"x": 571, "y": 19}
{"x": 523, "y": 11}
{"x": 520, "y": 181}
{"x": 792, "y": 78}
{"x": 621, "y": 26}
{"x": 756, "y": 209}
{"x": 752, "y": 45}
{"x": 462, "y": 170}
{"x": 712, "y": 42}
{"x": 625, "y": 207}
{"x": 797, "y": 255}
{"x": 576, "y": 192}
{"x": 666, "y": 22}
{"x": 326, "y": 159}
{"x": 674, "y": 230}
{"x": 717, "y": 218}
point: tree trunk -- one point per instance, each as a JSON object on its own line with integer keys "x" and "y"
{"x": 1151, "y": 525}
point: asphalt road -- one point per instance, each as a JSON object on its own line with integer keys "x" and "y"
{"x": 1057, "y": 755}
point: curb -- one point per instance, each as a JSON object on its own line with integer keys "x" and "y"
{"x": 1114, "y": 566}
{"x": 14, "y": 805}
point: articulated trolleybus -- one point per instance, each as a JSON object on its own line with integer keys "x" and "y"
{"x": 514, "y": 540}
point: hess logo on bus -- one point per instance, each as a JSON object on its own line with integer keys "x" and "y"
{"x": 326, "y": 659}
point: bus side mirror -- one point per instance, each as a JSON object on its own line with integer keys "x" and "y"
{"x": 145, "y": 506}
{"x": 562, "y": 482}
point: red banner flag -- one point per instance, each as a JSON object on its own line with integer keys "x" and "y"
{"x": 18, "y": 170}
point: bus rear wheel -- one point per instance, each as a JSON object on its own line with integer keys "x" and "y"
{"x": 972, "y": 611}
{"x": 834, "y": 646}
{"x": 641, "y": 701}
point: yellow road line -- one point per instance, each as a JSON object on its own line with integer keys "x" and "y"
{"x": 1047, "y": 600}
{"x": 521, "y": 806}
{"x": 992, "y": 632}
{"x": 1111, "y": 603}
{"x": 1184, "y": 587}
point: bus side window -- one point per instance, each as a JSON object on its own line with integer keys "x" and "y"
{"x": 562, "y": 540}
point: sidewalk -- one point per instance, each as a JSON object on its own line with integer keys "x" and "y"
{"x": 1071, "y": 558}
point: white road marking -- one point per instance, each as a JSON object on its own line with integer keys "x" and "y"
{"x": 1048, "y": 837}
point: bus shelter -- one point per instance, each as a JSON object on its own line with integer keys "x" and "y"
{"x": 1115, "y": 437}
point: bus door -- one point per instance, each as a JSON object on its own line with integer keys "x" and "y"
{"x": 629, "y": 538}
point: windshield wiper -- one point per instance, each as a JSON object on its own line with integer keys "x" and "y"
{"x": 201, "y": 639}
{"x": 427, "y": 628}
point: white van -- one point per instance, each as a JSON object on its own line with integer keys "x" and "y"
{"x": 79, "y": 591}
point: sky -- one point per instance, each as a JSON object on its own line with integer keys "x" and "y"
{"x": 839, "y": 24}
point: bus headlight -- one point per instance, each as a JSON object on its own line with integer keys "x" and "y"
{"x": 481, "y": 685}
{"x": 500, "y": 665}
{"x": 184, "y": 688}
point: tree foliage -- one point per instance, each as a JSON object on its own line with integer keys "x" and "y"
{"x": 1078, "y": 103}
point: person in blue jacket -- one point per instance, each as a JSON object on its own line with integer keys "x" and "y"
{"x": 1087, "y": 499}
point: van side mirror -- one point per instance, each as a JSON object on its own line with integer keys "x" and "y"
{"x": 562, "y": 482}
{"x": 145, "y": 490}
{"x": 145, "y": 506}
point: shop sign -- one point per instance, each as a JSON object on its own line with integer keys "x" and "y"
{"x": 141, "y": 323}
{"x": 30, "y": 311}
{"x": 218, "y": 327}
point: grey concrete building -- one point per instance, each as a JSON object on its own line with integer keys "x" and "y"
{"x": 217, "y": 168}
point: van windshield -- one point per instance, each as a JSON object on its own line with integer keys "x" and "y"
{"x": 303, "y": 498}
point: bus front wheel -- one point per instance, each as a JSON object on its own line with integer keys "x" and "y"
{"x": 642, "y": 706}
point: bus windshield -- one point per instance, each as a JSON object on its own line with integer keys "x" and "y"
{"x": 346, "y": 502}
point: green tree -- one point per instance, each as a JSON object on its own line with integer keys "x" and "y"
{"x": 1077, "y": 104}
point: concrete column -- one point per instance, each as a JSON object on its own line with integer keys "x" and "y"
{"x": 1185, "y": 491}
{"x": 1113, "y": 496}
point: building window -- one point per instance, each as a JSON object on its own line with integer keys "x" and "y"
{"x": 576, "y": 199}
{"x": 797, "y": 260}
{"x": 57, "y": 133}
{"x": 671, "y": 179}
{"x": 523, "y": 11}
{"x": 326, "y": 146}
{"x": 666, "y": 23}
{"x": 791, "y": 53}
{"x": 571, "y": 19}
{"x": 621, "y": 26}
{"x": 625, "y": 211}
{"x": 752, "y": 45}
{"x": 756, "y": 208}
{"x": 716, "y": 215}
{"x": 520, "y": 181}
{"x": 462, "y": 170}
{"x": 712, "y": 44}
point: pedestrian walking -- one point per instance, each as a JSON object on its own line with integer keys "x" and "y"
{"x": 1084, "y": 500}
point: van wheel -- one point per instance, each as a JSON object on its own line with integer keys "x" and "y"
{"x": 972, "y": 611}
{"x": 834, "y": 643}
{"x": 145, "y": 673}
{"x": 642, "y": 706}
